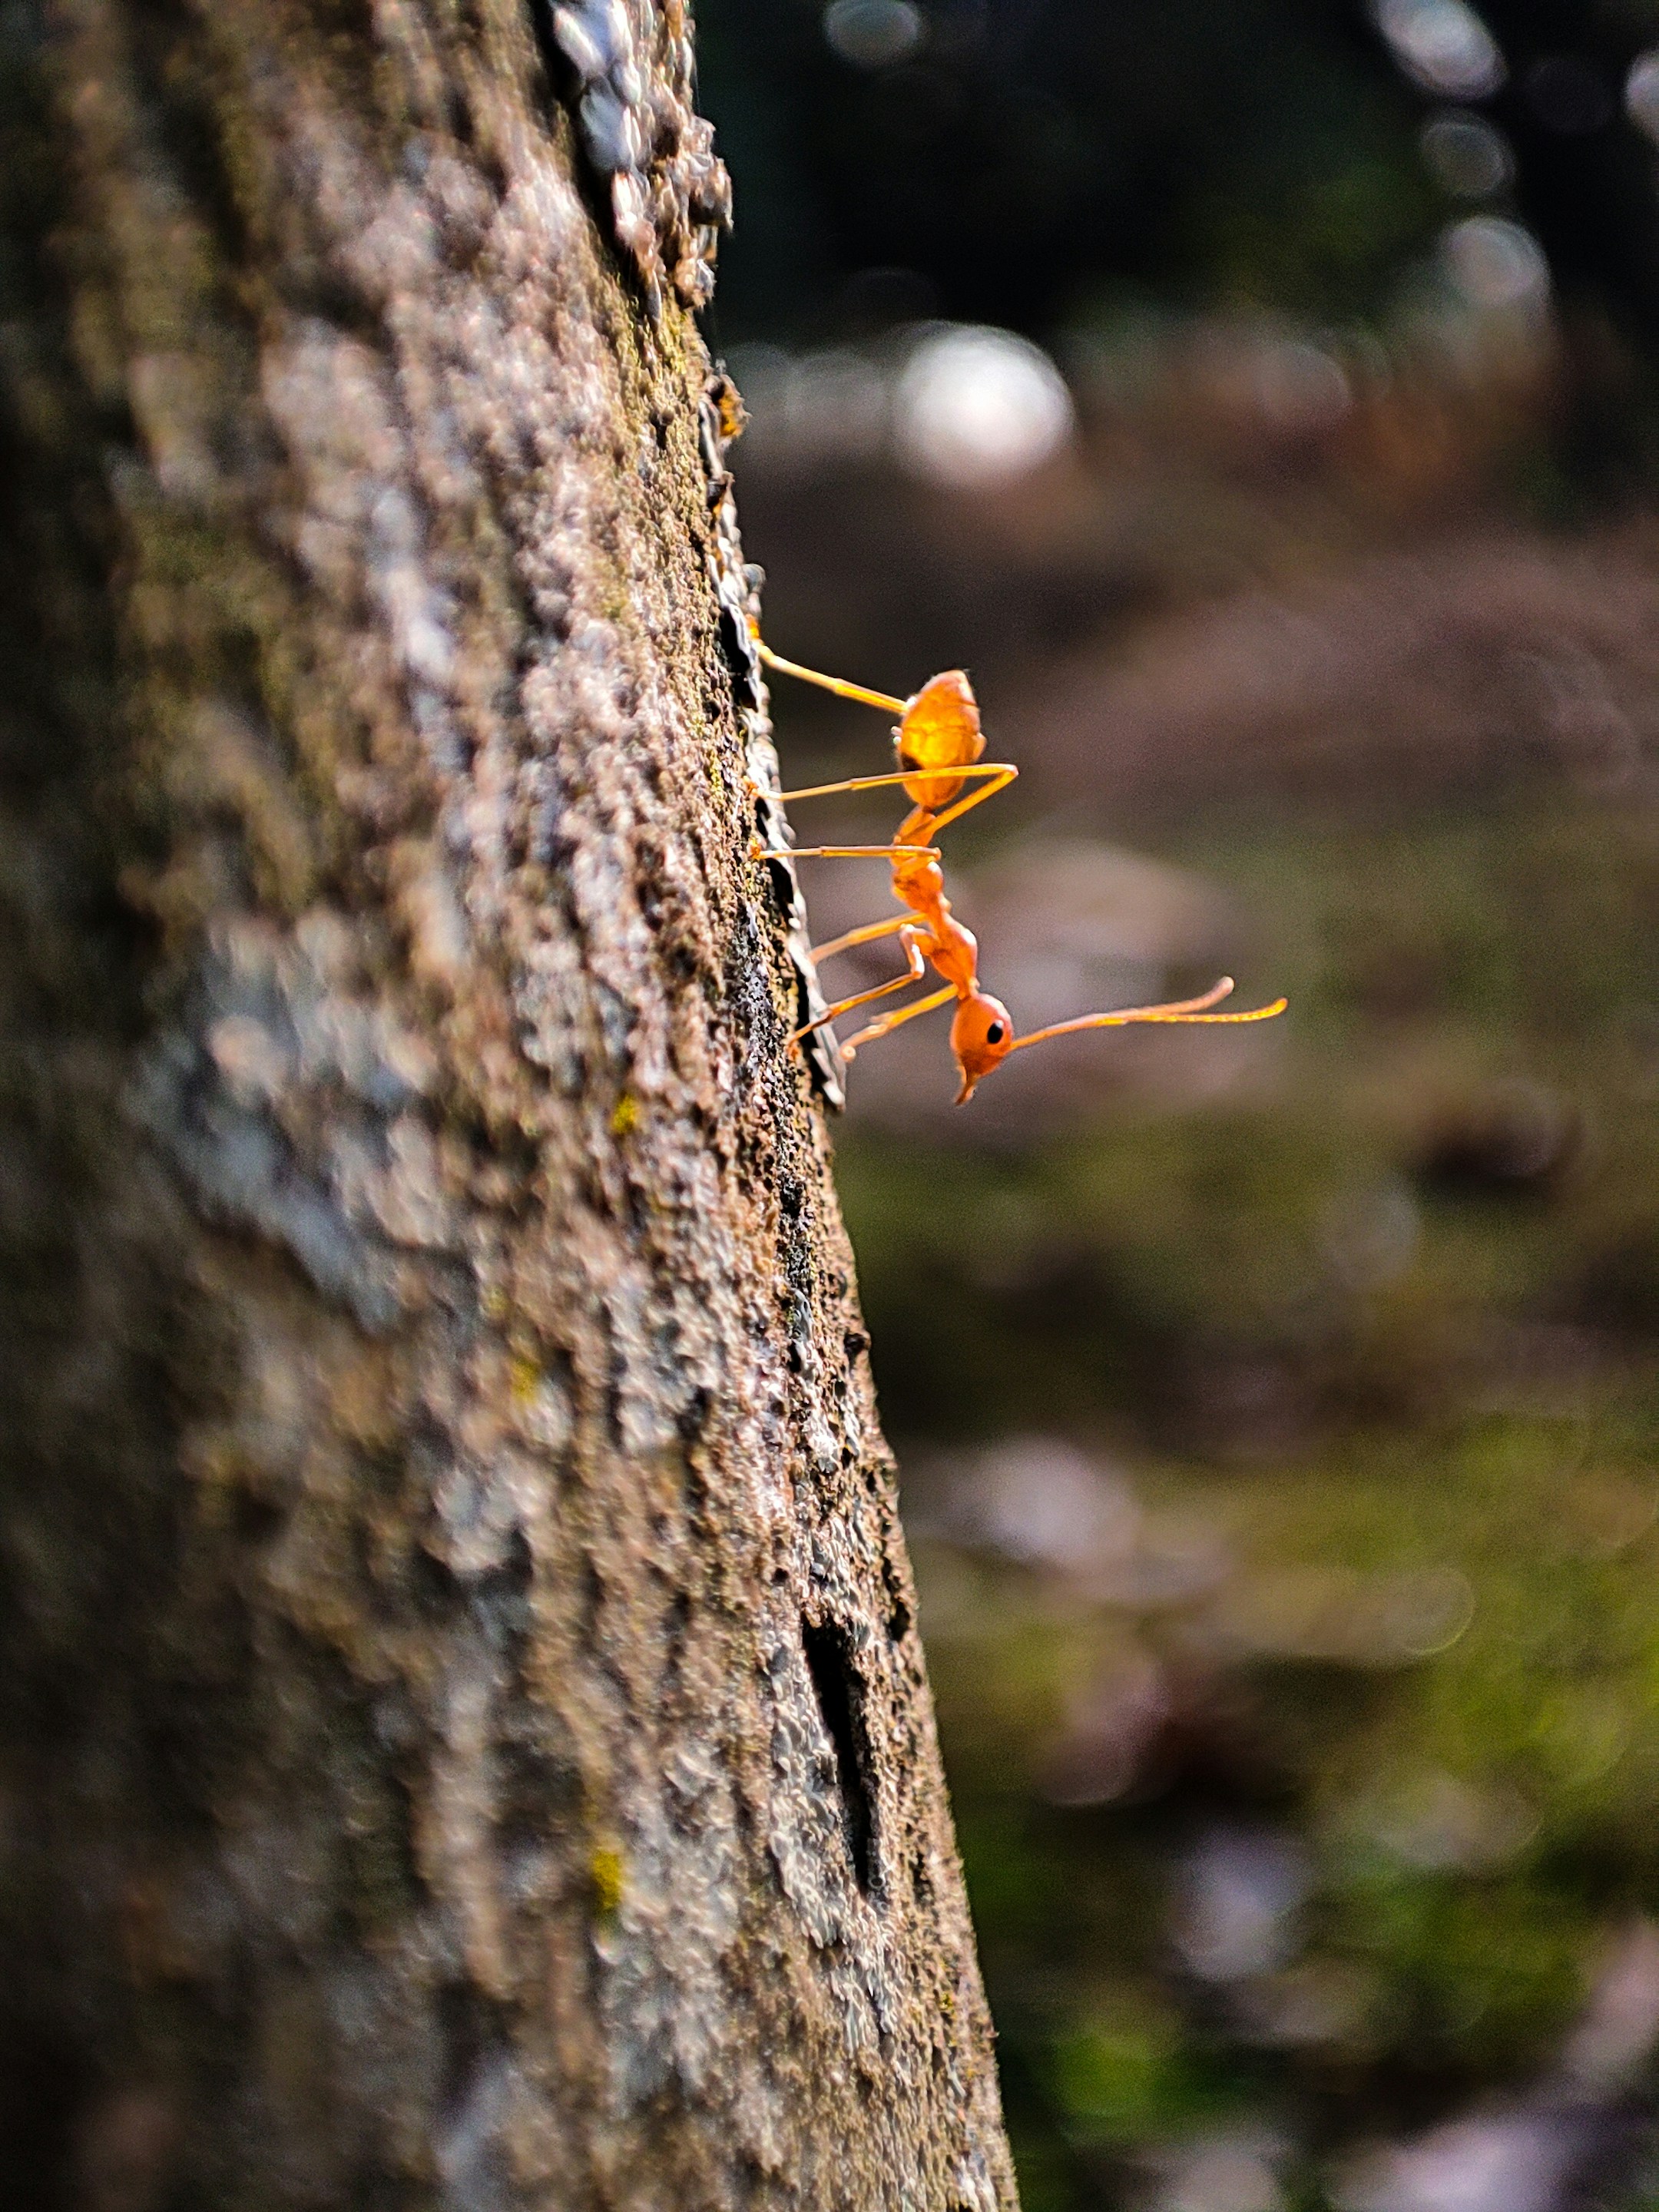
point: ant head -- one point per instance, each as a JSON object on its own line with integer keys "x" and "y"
{"x": 981, "y": 1037}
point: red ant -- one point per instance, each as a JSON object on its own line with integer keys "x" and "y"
{"x": 937, "y": 742}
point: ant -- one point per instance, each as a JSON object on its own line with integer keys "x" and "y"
{"x": 937, "y": 743}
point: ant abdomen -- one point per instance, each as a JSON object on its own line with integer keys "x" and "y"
{"x": 941, "y": 729}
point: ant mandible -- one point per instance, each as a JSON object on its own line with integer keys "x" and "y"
{"x": 937, "y": 743}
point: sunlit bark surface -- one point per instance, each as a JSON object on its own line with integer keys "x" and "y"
{"x": 465, "y": 1733}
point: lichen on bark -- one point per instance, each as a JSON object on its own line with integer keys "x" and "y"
{"x": 465, "y": 1738}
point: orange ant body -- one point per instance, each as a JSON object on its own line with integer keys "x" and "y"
{"x": 937, "y": 743}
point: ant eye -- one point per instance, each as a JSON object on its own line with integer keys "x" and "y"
{"x": 993, "y": 1035}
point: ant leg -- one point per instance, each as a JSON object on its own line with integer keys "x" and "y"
{"x": 843, "y": 852}
{"x": 1001, "y": 776}
{"x": 1177, "y": 1010}
{"x": 867, "y": 935}
{"x": 888, "y": 1022}
{"x": 1001, "y": 769}
{"x": 838, "y": 685}
{"x": 915, "y": 968}
{"x": 846, "y": 1005}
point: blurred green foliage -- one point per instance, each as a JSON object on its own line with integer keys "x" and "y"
{"x": 1364, "y": 1343}
{"x": 1476, "y": 1401}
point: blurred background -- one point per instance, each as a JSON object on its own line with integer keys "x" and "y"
{"x": 1259, "y": 397}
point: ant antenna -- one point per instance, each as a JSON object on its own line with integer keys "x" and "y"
{"x": 1179, "y": 1010}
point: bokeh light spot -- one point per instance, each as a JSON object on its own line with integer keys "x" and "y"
{"x": 1496, "y": 263}
{"x": 1443, "y": 45}
{"x": 872, "y": 34}
{"x": 1466, "y": 156}
{"x": 978, "y": 407}
{"x": 1641, "y": 92}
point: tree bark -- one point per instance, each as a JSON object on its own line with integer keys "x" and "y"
{"x": 465, "y": 1737}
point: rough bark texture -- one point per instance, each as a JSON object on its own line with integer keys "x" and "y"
{"x": 464, "y": 1740}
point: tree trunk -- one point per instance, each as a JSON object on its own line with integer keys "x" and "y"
{"x": 465, "y": 1734}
